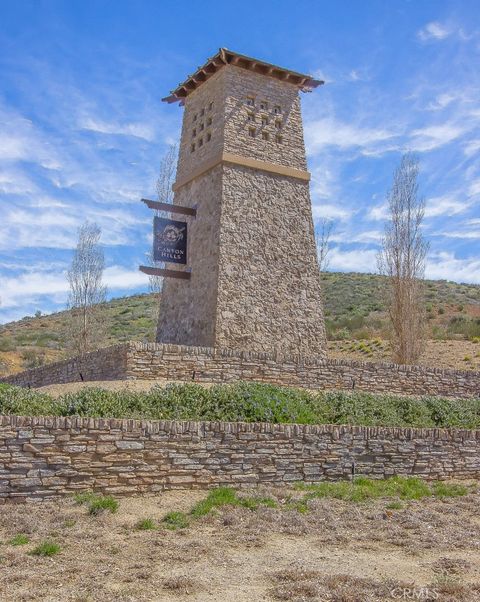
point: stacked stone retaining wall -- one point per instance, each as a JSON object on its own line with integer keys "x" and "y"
{"x": 152, "y": 361}
{"x": 43, "y": 457}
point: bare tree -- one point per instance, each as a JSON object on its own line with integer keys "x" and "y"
{"x": 87, "y": 291}
{"x": 166, "y": 175}
{"x": 164, "y": 184}
{"x": 402, "y": 260}
{"x": 323, "y": 243}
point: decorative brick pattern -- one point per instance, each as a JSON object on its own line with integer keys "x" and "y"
{"x": 203, "y": 364}
{"x": 42, "y": 458}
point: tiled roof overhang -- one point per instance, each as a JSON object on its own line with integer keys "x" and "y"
{"x": 305, "y": 83}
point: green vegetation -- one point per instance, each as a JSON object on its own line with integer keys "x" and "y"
{"x": 146, "y": 524}
{"x": 99, "y": 504}
{"x": 175, "y": 520}
{"x": 247, "y": 402}
{"x": 19, "y": 540}
{"x": 217, "y": 498}
{"x": 226, "y": 496}
{"x": 46, "y": 548}
{"x": 363, "y": 488}
{"x": 397, "y": 489}
{"x": 96, "y": 503}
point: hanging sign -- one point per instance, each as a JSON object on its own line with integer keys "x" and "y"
{"x": 169, "y": 240}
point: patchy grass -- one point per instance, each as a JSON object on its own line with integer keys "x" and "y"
{"x": 100, "y": 504}
{"x": 46, "y": 548}
{"x": 337, "y": 551}
{"x": 96, "y": 503}
{"x": 227, "y": 496}
{"x": 146, "y": 524}
{"x": 443, "y": 489}
{"x": 217, "y": 498}
{"x": 84, "y": 497}
{"x": 363, "y": 488}
{"x": 19, "y": 540}
{"x": 175, "y": 520}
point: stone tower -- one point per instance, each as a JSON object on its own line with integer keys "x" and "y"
{"x": 255, "y": 282}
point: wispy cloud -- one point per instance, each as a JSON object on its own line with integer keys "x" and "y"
{"x": 434, "y": 31}
{"x": 445, "y": 205}
{"x": 434, "y": 136}
{"x": 330, "y": 132}
{"x": 139, "y": 130}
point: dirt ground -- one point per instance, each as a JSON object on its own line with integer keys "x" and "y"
{"x": 459, "y": 355}
{"x": 337, "y": 552}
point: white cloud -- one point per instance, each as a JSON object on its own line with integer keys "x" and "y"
{"x": 119, "y": 278}
{"x": 442, "y": 101}
{"x": 445, "y": 266}
{"x": 471, "y": 147}
{"x": 434, "y": 136}
{"x": 359, "y": 260}
{"x": 21, "y": 141}
{"x": 474, "y": 187}
{"x": 445, "y": 205}
{"x": 379, "y": 212}
{"x": 139, "y": 130}
{"x": 329, "y": 211}
{"x": 434, "y": 31}
{"x": 14, "y": 181}
{"x": 463, "y": 234}
{"x": 27, "y": 288}
{"x": 328, "y": 132}
{"x": 40, "y": 283}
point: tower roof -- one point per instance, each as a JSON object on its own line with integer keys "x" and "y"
{"x": 305, "y": 83}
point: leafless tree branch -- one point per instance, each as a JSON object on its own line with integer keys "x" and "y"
{"x": 402, "y": 260}
{"x": 87, "y": 291}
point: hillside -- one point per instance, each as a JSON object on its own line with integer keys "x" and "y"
{"x": 354, "y": 312}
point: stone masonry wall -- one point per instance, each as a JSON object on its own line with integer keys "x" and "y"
{"x": 203, "y": 364}
{"x": 42, "y": 458}
{"x": 269, "y": 291}
{"x": 109, "y": 363}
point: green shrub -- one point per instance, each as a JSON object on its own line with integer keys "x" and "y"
{"x": 249, "y": 402}
{"x": 102, "y": 503}
{"x": 19, "y": 540}
{"x": 32, "y": 359}
{"x": 226, "y": 496}
{"x": 175, "y": 520}
{"x": 96, "y": 503}
{"x": 46, "y": 548}
{"x": 28, "y": 402}
{"x": 6, "y": 344}
{"x": 146, "y": 524}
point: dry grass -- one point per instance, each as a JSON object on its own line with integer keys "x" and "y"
{"x": 337, "y": 551}
{"x": 450, "y": 354}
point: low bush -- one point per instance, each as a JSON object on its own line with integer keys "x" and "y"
{"x": 96, "y": 503}
{"x": 19, "y": 540}
{"x": 248, "y": 402}
{"x": 146, "y": 524}
{"x": 175, "y": 520}
{"x": 46, "y": 548}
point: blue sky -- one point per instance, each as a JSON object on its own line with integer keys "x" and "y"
{"x": 82, "y": 128}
